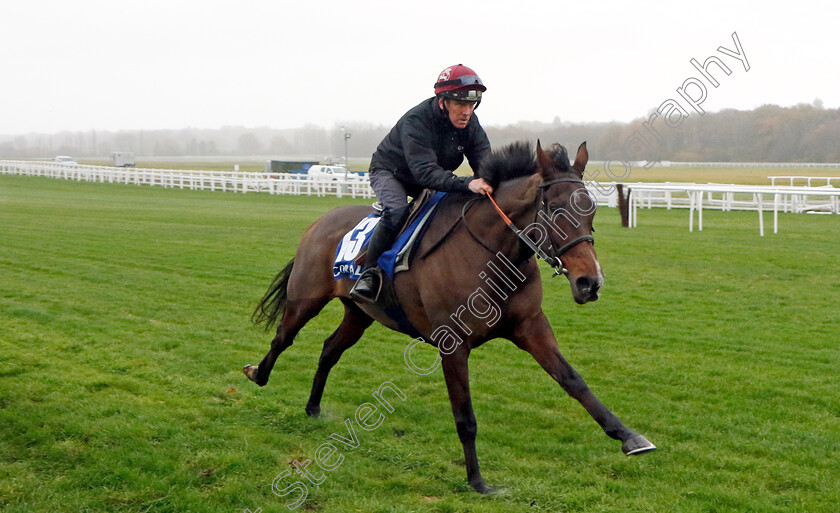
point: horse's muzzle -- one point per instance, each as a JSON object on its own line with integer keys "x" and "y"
{"x": 586, "y": 289}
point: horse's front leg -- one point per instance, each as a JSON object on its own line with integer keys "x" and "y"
{"x": 535, "y": 336}
{"x": 457, "y": 375}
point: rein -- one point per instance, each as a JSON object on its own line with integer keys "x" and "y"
{"x": 552, "y": 260}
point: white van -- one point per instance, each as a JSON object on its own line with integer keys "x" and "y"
{"x": 332, "y": 174}
{"x": 122, "y": 159}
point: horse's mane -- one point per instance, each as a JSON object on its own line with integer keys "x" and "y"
{"x": 519, "y": 159}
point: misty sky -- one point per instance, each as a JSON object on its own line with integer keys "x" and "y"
{"x": 111, "y": 65}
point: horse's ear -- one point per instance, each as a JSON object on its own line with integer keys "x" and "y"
{"x": 581, "y": 159}
{"x": 544, "y": 162}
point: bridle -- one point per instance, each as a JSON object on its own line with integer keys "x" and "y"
{"x": 558, "y": 252}
{"x": 552, "y": 257}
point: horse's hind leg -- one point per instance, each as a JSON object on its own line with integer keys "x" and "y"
{"x": 295, "y": 316}
{"x": 350, "y": 330}
{"x": 535, "y": 336}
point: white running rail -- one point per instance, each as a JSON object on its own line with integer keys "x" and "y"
{"x": 272, "y": 183}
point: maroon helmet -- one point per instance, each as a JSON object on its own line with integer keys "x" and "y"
{"x": 459, "y": 83}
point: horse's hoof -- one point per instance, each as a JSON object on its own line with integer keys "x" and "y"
{"x": 482, "y": 488}
{"x": 313, "y": 411}
{"x": 251, "y": 372}
{"x": 637, "y": 445}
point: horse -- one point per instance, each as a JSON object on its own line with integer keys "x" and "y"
{"x": 474, "y": 269}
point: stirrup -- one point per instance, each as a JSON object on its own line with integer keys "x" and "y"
{"x": 374, "y": 273}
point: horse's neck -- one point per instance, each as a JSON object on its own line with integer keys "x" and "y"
{"x": 517, "y": 199}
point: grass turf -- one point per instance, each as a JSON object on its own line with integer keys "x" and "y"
{"x": 124, "y": 326}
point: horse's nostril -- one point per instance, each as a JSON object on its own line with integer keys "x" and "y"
{"x": 588, "y": 287}
{"x": 585, "y": 284}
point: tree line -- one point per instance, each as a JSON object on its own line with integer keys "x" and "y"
{"x": 770, "y": 133}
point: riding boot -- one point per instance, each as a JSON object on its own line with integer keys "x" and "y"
{"x": 369, "y": 282}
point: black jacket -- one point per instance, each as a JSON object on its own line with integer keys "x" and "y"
{"x": 424, "y": 147}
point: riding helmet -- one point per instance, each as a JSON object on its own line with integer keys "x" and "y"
{"x": 459, "y": 83}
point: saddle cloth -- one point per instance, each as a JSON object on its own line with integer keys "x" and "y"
{"x": 395, "y": 259}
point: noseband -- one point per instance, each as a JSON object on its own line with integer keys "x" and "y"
{"x": 554, "y": 258}
{"x": 554, "y": 254}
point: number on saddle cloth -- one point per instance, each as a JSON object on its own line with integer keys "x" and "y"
{"x": 392, "y": 261}
{"x": 351, "y": 246}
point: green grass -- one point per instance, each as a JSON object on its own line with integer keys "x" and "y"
{"x": 124, "y": 325}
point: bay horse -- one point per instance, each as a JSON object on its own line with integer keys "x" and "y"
{"x": 447, "y": 283}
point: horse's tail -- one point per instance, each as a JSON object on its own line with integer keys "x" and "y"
{"x": 273, "y": 304}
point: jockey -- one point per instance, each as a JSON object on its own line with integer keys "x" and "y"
{"x": 421, "y": 152}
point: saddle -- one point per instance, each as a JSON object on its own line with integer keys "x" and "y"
{"x": 395, "y": 260}
{"x": 352, "y": 250}
{"x": 414, "y": 208}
